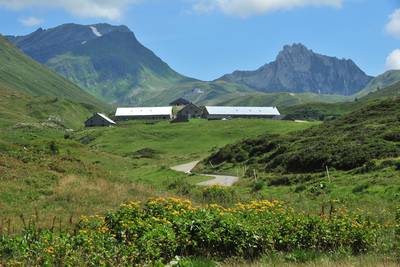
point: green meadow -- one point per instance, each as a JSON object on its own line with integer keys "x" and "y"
{"x": 62, "y": 173}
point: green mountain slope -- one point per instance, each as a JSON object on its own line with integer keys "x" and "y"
{"x": 389, "y": 91}
{"x": 384, "y": 80}
{"x": 321, "y": 111}
{"x": 107, "y": 61}
{"x": 368, "y": 133}
{"x": 275, "y": 99}
{"x": 30, "y": 92}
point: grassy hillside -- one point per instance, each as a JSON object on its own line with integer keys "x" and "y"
{"x": 21, "y": 73}
{"x": 384, "y": 80}
{"x": 341, "y": 163}
{"x": 92, "y": 170}
{"x": 19, "y": 110}
{"x": 318, "y": 110}
{"x": 31, "y": 93}
{"x": 389, "y": 91}
{"x": 369, "y": 133}
{"x": 280, "y": 100}
{"x": 323, "y": 111}
{"x": 64, "y": 175}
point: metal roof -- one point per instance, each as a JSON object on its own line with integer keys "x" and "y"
{"x": 180, "y": 100}
{"x": 246, "y": 111}
{"x": 106, "y": 118}
{"x": 144, "y": 111}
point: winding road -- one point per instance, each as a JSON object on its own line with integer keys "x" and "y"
{"x": 223, "y": 180}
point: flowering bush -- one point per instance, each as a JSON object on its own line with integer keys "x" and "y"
{"x": 158, "y": 230}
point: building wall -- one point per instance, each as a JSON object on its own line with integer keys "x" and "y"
{"x": 153, "y": 117}
{"x": 219, "y": 117}
{"x": 190, "y": 111}
{"x": 96, "y": 121}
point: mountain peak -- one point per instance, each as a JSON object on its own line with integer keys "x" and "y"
{"x": 107, "y": 61}
{"x": 296, "y": 47}
{"x": 295, "y": 54}
{"x": 299, "y": 69}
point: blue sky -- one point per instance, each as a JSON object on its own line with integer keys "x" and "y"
{"x": 208, "y": 38}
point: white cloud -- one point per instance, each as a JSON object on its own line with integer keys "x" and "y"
{"x": 393, "y": 60}
{"x": 106, "y": 9}
{"x": 393, "y": 26}
{"x": 245, "y": 8}
{"x": 30, "y": 21}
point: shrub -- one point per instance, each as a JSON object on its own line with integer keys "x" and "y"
{"x": 281, "y": 181}
{"x": 397, "y": 165}
{"x": 155, "y": 232}
{"x": 219, "y": 194}
{"x": 300, "y": 188}
{"x": 257, "y": 186}
{"x": 147, "y": 153}
{"x": 87, "y": 139}
{"x": 53, "y": 148}
{"x": 181, "y": 187}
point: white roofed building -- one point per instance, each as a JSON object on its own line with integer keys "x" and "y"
{"x": 216, "y": 113}
{"x": 144, "y": 113}
{"x": 99, "y": 119}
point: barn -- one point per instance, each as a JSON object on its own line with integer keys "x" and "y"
{"x": 218, "y": 113}
{"x": 180, "y": 102}
{"x": 190, "y": 111}
{"x": 99, "y": 119}
{"x": 144, "y": 113}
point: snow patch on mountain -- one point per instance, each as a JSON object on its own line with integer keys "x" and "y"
{"x": 95, "y": 31}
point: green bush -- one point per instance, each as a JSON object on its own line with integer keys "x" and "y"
{"x": 219, "y": 195}
{"x": 155, "y": 232}
{"x": 257, "y": 186}
{"x": 54, "y": 150}
{"x": 181, "y": 187}
{"x": 397, "y": 166}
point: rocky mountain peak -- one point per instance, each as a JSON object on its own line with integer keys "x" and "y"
{"x": 294, "y": 49}
{"x": 298, "y": 69}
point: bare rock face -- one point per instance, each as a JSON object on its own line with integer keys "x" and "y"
{"x": 298, "y": 69}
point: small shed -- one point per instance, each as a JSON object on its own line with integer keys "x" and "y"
{"x": 180, "y": 102}
{"x": 99, "y": 119}
{"x": 190, "y": 111}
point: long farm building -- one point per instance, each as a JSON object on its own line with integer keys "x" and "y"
{"x": 144, "y": 113}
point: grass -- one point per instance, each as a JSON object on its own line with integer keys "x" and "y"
{"x": 94, "y": 170}
{"x": 287, "y": 260}
{"x": 22, "y": 74}
{"x": 360, "y": 150}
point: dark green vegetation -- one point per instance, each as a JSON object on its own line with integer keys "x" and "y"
{"x": 353, "y": 159}
{"x": 349, "y": 142}
{"x": 161, "y": 230}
